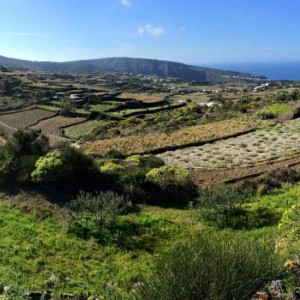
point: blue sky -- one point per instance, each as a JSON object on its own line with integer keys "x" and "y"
{"x": 190, "y": 31}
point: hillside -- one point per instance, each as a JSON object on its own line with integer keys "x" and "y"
{"x": 136, "y": 66}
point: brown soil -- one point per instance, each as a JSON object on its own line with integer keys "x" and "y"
{"x": 210, "y": 177}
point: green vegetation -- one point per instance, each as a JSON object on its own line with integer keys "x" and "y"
{"x": 67, "y": 169}
{"x": 119, "y": 246}
{"x": 50, "y": 108}
{"x": 275, "y": 110}
{"x": 104, "y": 107}
{"x": 212, "y": 266}
{"x": 19, "y": 154}
{"x": 80, "y": 130}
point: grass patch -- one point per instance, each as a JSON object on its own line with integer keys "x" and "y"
{"x": 35, "y": 246}
{"x": 212, "y": 267}
{"x": 79, "y": 130}
{"x": 278, "y": 109}
{"x": 50, "y": 108}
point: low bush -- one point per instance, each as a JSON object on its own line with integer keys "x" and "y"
{"x": 238, "y": 218}
{"x": 222, "y": 207}
{"x": 19, "y": 155}
{"x": 212, "y": 266}
{"x": 68, "y": 170}
{"x": 95, "y": 215}
{"x": 170, "y": 185}
{"x": 221, "y": 195}
{"x": 266, "y": 115}
{"x": 112, "y": 168}
{"x": 128, "y": 176}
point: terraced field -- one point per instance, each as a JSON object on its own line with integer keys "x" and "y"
{"x": 144, "y": 97}
{"x": 282, "y": 140}
{"x": 186, "y": 136}
{"x": 52, "y": 127}
{"x": 82, "y": 129}
{"x": 24, "y": 119}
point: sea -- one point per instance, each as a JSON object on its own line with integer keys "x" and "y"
{"x": 271, "y": 70}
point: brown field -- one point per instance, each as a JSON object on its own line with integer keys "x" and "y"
{"x": 53, "y": 125}
{"x": 197, "y": 97}
{"x": 23, "y": 119}
{"x": 189, "y": 135}
{"x": 144, "y": 97}
{"x": 211, "y": 177}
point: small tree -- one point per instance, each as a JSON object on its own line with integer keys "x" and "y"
{"x": 95, "y": 215}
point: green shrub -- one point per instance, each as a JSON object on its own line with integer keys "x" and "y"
{"x": 168, "y": 176}
{"x": 222, "y": 207}
{"x": 221, "y": 195}
{"x": 170, "y": 185}
{"x": 211, "y": 266}
{"x": 114, "y": 154}
{"x": 49, "y": 168}
{"x": 68, "y": 170}
{"x": 6, "y": 165}
{"x": 96, "y": 215}
{"x": 266, "y": 115}
{"x": 134, "y": 159}
{"x": 112, "y": 168}
{"x": 151, "y": 161}
{"x": 19, "y": 155}
{"x": 238, "y": 218}
{"x": 145, "y": 162}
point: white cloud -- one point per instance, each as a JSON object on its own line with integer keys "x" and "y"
{"x": 149, "y": 29}
{"x": 182, "y": 28}
{"x": 126, "y": 3}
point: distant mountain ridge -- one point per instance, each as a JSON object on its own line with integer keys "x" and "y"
{"x": 133, "y": 65}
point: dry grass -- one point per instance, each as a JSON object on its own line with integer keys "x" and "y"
{"x": 197, "y": 97}
{"x": 145, "y": 97}
{"x": 53, "y": 125}
{"x": 193, "y": 134}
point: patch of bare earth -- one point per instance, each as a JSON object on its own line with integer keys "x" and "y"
{"x": 212, "y": 177}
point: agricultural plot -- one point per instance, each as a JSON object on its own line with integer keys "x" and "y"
{"x": 82, "y": 129}
{"x": 10, "y": 103}
{"x": 124, "y": 113}
{"x": 144, "y": 97}
{"x": 104, "y": 106}
{"x": 52, "y": 127}
{"x": 275, "y": 142}
{"x": 24, "y": 119}
{"x": 198, "y": 97}
{"x": 188, "y": 135}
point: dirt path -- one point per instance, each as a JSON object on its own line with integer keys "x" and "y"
{"x": 209, "y": 177}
